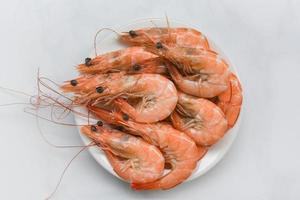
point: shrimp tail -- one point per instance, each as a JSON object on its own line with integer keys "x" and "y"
{"x": 145, "y": 186}
{"x": 230, "y": 101}
{"x": 164, "y": 183}
{"x": 202, "y": 151}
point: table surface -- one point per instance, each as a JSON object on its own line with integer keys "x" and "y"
{"x": 260, "y": 37}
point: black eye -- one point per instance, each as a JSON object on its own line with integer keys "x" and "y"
{"x": 120, "y": 128}
{"x": 87, "y": 61}
{"x": 73, "y": 82}
{"x": 99, "y": 89}
{"x": 125, "y": 117}
{"x": 99, "y": 123}
{"x": 93, "y": 128}
{"x": 159, "y": 45}
{"x": 132, "y": 33}
{"x": 136, "y": 67}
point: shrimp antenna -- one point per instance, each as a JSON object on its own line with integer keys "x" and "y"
{"x": 56, "y": 122}
{"x": 41, "y": 82}
{"x": 98, "y": 32}
{"x": 45, "y": 104}
{"x": 65, "y": 169}
{"x": 152, "y": 22}
{"x": 54, "y": 103}
{"x": 12, "y": 104}
{"x": 15, "y": 91}
{"x": 168, "y": 25}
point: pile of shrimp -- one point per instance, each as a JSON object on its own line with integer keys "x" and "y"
{"x": 161, "y": 103}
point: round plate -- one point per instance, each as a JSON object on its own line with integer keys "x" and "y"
{"x": 215, "y": 153}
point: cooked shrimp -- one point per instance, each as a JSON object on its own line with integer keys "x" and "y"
{"x": 152, "y": 66}
{"x": 203, "y": 74}
{"x": 115, "y": 61}
{"x": 231, "y": 100}
{"x": 154, "y": 96}
{"x": 183, "y": 37}
{"x": 199, "y": 118}
{"x": 179, "y": 150}
{"x": 131, "y": 158}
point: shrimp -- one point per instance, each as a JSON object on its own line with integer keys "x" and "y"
{"x": 231, "y": 100}
{"x": 205, "y": 72}
{"x": 202, "y": 74}
{"x": 179, "y": 150}
{"x": 131, "y": 158}
{"x": 115, "y": 61}
{"x": 152, "y": 96}
{"x": 153, "y": 66}
{"x": 200, "y": 119}
{"x": 183, "y": 37}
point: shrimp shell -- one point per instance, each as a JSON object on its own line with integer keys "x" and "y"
{"x": 183, "y": 37}
{"x": 120, "y": 60}
{"x": 179, "y": 150}
{"x": 204, "y": 71}
{"x": 199, "y": 118}
{"x": 156, "y": 95}
{"x": 231, "y": 100}
{"x": 131, "y": 158}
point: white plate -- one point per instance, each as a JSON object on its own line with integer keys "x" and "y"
{"x": 215, "y": 153}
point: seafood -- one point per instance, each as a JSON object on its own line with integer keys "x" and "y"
{"x": 202, "y": 74}
{"x": 133, "y": 90}
{"x": 132, "y": 159}
{"x": 199, "y": 118}
{"x": 183, "y": 37}
{"x": 205, "y": 72}
{"x": 231, "y": 100}
{"x": 119, "y": 60}
{"x": 179, "y": 150}
{"x": 154, "y": 96}
{"x": 152, "y": 66}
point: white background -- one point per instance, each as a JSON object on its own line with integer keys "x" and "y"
{"x": 260, "y": 37}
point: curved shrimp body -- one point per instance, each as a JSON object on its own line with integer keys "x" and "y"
{"x": 197, "y": 72}
{"x": 184, "y": 37}
{"x": 231, "y": 100}
{"x": 179, "y": 150}
{"x": 154, "y": 96}
{"x": 132, "y": 159}
{"x": 119, "y": 60}
{"x": 199, "y": 118}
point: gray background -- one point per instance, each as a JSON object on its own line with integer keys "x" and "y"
{"x": 260, "y": 37}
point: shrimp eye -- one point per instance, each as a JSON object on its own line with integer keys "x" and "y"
{"x": 136, "y": 67}
{"x": 99, "y": 89}
{"x": 73, "y": 82}
{"x": 159, "y": 45}
{"x": 132, "y": 33}
{"x": 93, "y": 128}
{"x": 87, "y": 61}
{"x": 120, "y": 128}
{"x": 125, "y": 117}
{"x": 99, "y": 123}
